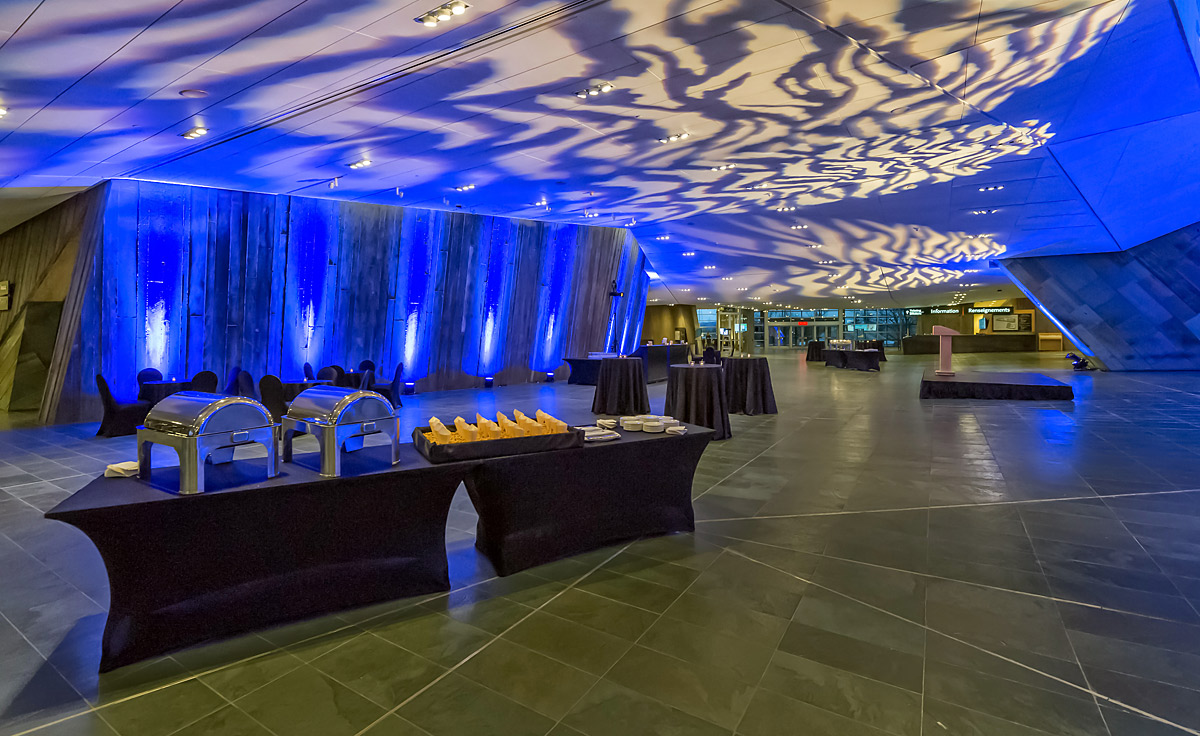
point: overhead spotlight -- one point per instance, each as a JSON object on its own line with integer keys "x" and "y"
{"x": 675, "y": 137}
{"x": 361, "y": 164}
{"x": 799, "y": 227}
{"x": 594, "y": 90}
{"x": 984, "y": 212}
{"x": 993, "y": 188}
{"x": 195, "y": 133}
{"x": 429, "y": 19}
{"x": 724, "y": 167}
{"x": 701, "y": 298}
{"x": 662, "y": 237}
{"x": 710, "y": 268}
{"x": 743, "y": 288}
{"x": 442, "y": 13}
{"x": 606, "y": 87}
{"x": 727, "y": 278}
{"x": 3, "y": 111}
{"x": 785, "y": 209}
{"x": 685, "y": 289}
{"x": 458, "y": 8}
{"x": 591, "y": 214}
{"x": 464, "y": 188}
{"x": 689, "y": 253}
{"x": 582, "y": 94}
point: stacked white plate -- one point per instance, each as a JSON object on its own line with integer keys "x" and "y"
{"x": 631, "y": 424}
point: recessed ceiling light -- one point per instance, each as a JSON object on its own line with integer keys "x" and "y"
{"x": 464, "y": 188}
{"x": 909, "y": 186}
{"x": 724, "y": 167}
{"x": 685, "y": 289}
{"x": 785, "y": 209}
{"x": 984, "y": 212}
{"x": 442, "y": 13}
{"x": 689, "y": 253}
{"x": 361, "y": 164}
{"x": 993, "y": 188}
{"x": 193, "y": 93}
{"x": 195, "y": 133}
{"x": 799, "y": 227}
{"x": 662, "y": 237}
{"x": 727, "y": 278}
{"x": 743, "y": 288}
{"x": 675, "y": 137}
{"x": 3, "y": 111}
{"x": 710, "y": 268}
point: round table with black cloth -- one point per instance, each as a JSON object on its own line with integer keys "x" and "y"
{"x": 815, "y": 350}
{"x": 748, "y": 386}
{"x": 696, "y": 395}
{"x": 621, "y": 388}
{"x": 292, "y": 389}
{"x": 871, "y": 345}
{"x": 859, "y": 360}
{"x": 156, "y": 391}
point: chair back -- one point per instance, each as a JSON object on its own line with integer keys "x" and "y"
{"x": 270, "y": 388}
{"x": 106, "y": 397}
{"x": 396, "y": 386}
{"x": 245, "y": 386}
{"x": 710, "y": 357}
{"x": 148, "y": 374}
{"x": 368, "y": 380}
{"x": 366, "y": 365}
{"x": 328, "y": 373}
{"x": 308, "y": 372}
{"x": 205, "y": 381}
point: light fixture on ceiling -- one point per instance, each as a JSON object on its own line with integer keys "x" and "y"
{"x": 464, "y": 188}
{"x": 724, "y": 167}
{"x": 361, "y": 163}
{"x": 813, "y": 245}
{"x": 689, "y": 253}
{"x": 662, "y": 237}
{"x": 984, "y": 212}
{"x": 590, "y": 214}
{"x": 3, "y": 111}
{"x": 710, "y": 268}
{"x": 675, "y": 138}
{"x": 727, "y": 278}
{"x": 652, "y": 274}
{"x": 652, "y": 300}
{"x": 442, "y": 13}
{"x": 743, "y": 288}
{"x": 195, "y": 133}
{"x": 993, "y": 188}
{"x": 193, "y": 93}
{"x": 785, "y": 209}
{"x": 799, "y": 227}
{"x": 596, "y": 88}
{"x": 685, "y": 289}
{"x": 701, "y": 298}
{"x": 540, "y": 203}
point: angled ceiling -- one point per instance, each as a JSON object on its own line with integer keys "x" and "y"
{"x": 882, "y": 151}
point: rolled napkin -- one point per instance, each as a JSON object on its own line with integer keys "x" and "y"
{"x": 466, "y": 432}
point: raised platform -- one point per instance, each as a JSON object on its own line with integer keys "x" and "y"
{"x": 984, "y": 385}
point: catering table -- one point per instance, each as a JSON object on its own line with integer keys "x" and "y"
{"x": 544, "y": 506}
{"x": 584, "y": 371}
{"x": 292, "y": 389}
{"x": 696, "y": 395}
{"x": 748, "y": 386}
{"x": 859, "y": 360}
{"x": 621, "y": 388}
{"x": 872, "y": 345}
{"x": 188, "y": 569}
{"x": 815, "y": 350}
{"x": 156, "y": 391}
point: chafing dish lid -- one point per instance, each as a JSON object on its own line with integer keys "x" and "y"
{"x": 193, "y": 413}
{"x": 334, "y": 405}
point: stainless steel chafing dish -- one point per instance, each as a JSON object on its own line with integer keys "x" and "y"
{"x": 339, "y": 417}
{"x": 202, "y": 426}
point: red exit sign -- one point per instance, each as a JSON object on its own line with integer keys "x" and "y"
{"x": 802, "y": 323}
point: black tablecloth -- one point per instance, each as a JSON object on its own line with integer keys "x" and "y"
{"x": 696, "y": 395}
{"x": 871, "y": 345}
{"x": 657, "y": 360}
{"x": 621, "y": 388}
{"x": 156, "y": 391}
{"x": 748, "y": 386}
{"x": 187, "y": 569}
{"x": 815, "y": 348}
{"x": 584, "y": 371}
{"x": 860, "y": 360}
{"x": 292, "y": 389}
{"x": 538, "y": 508}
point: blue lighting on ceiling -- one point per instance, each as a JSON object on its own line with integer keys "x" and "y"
{"x": 1037, "y": 303}
{"x": 558, "y": 264}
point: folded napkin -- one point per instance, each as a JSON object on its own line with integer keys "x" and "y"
{"x": 126, "y": 469}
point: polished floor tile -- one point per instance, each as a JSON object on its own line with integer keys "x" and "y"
{"x": 864, "y": 563}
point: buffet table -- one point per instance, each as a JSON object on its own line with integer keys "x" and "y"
{"x": 250, "y": 553}
{"x": 187, "y": 569}
{"x": 545, "y": 506}
{"x": 859, "y": 360}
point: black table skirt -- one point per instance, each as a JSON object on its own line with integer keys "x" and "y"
{"x": 621, "y": 388}
{"x": 538, "y": 508}
{"x": 748, "y": 386}
{"x": 696, "y": 395}
{"x": 872, "y": 345}
{"x": 815, "y": 350}
{"x": 859, "y": 360}
{"x": 188, "y": 569}
{"x": 584, "y": 371}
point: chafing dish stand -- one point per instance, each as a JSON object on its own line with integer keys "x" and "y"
{"x": 339, "y": 417}
{"x": 202, "y": 426}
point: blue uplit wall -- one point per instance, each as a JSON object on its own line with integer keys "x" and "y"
{"x": 190, "y": 279}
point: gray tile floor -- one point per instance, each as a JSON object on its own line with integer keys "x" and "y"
{"x": 865, "y": 563}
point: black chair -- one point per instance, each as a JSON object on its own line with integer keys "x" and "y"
{"x": 205, "y": 381}
{"x": 120, "y": 418}
{"x": 711, "y": 357}
{"x": 391, "y": 391}
{"x": 146, "y": 374}
{"x": 366, "y": 365}
{"x": 368, "y": 379}
{"x": 308, "y": 372}
{"x": 270, "y": 388}
{"x": 231, "y": 383}
{"x": 331, "y": 373}
{"x": 245, "y": 386}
